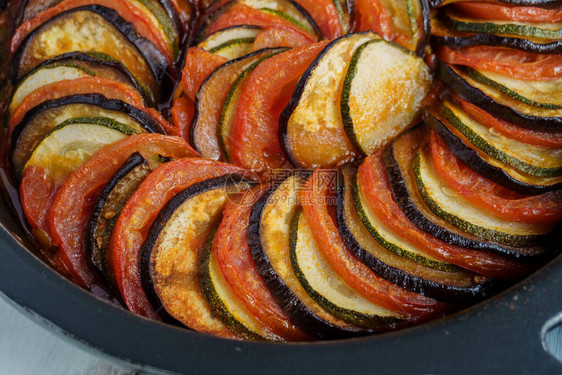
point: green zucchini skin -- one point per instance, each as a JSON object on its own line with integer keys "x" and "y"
{"x": 294, "y": 307}
{"x": 412, "y": 283}
{"x": 525, "y": 45}
{"x": 529, "y": 255}
{"x": 97, "y": 252}
{"x": 158, "y": 225}
{"x": 477, "y": 97}
{"x": 471, "y": 158}
{"x": 156, "y": 61}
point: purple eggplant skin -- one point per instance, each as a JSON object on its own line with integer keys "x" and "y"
{"x": 471, "y": 158}
{"x": 475, "y": 96}
{"x": 535, "y": 3}
{"x": 293, "y": 306}
{"x": 497, "y": 41}
{"x": 529, "y": 255}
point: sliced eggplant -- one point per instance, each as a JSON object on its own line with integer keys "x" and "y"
{"x": 467, "y": 217}
{"x": 545, "y": 31}
{"x": 497, "y": 104}
{"x": 268, "y": 239}
{"x": 399, "y": 160}
{"x": 110, "y": 203}
{"x": 488, "y": 167}
{"x": 382, "y": 93}
{"x": 40, "y": 120}
{"x": 211, "y": 98}
{"x": 232, "y": 42}
{"x": 67, "y": 67}
{"x": 63, "y": 149}
{"x": 327, "y": 288}
{"x": 312, "y": 119}
{"x": 171, "y": 253}
{"x": 452, "y": 287}
{"x": 81, "y": 29}
{"x": 532, "y": 160}
{"x": 224, "y": 302}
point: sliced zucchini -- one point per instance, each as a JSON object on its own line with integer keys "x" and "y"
{"x": 548, "y": 31}
{"x": 345, "y": 11}
{"x": 232, "y": 42}
{"x": 224, "y": 303}
{"x": 82, "y": 29}
{"x": 40, "y": 120}
{"x": 498, "y": 104}
{"x": 388, "y": 238}
{"x": 541, "y": 94}
{"x": 63, "y": 149}
{"x": 410, "y": 18}
{"x": 110, "y": 203}
{"x": 529, "y": 159}
{"x": 491, "y": 168}
{"x": 399, "y": 160}
{"x": 268, "y": 239}
{"x": 312, "y": 119}
{"x": 74, "y": 66}
{"x": 382, "y": 93}
{"x": 210, "y": 101}
{"x": 452, "y": 287}
{"x": 461, "y": 213}
{"x": 326, "y": 287}
{"x": 171, "y": 254}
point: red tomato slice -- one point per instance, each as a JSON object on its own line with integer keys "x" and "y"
{"x": 531, "y": 137}
{"x": 508, "y": 12}
{"x": 517, "y": 64}
{"x": 545, "y": 208}
{"x": 325, "y": 14}
{"x": 314, "y": 197}
{"x": 241, "y": 14}
{"x": 139, "y": 213}
{"x": 74, "y": 202}
{"x": 281, "y": 36}
{"x": 266, "y": 92}
{"x": 128, "y": 10}
{"x": 183, "y": 110}
{"x": 239, "y": 270}
{"x": 372, "y": 15}
{"x": 85, "y": 85}
{"x": 372, "y": 177}
{"x": 199, "y": 64}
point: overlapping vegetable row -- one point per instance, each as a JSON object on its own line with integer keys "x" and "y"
{"x": 406, "y": 226}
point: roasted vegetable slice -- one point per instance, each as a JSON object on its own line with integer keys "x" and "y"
{"x": 172, "y": 254}
{"x": 312, "y": 119}
{"x": 232, "y": 42}
{"x": 110, "y": 203}
{"x": 327, "y": 288}
{"x": 453, "y": 287}
{"x": 382, "y": 94}
{"x": 59, "y": 35}
{"x": 453, "y": 208}
{"x": 268, "y": 239}
{"x": 40, "y": 120}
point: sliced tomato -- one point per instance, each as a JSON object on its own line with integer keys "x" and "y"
{"x": 266, "y": 92}
{"x": 281, "y": 36}
{"x": 374, "y": 181}
{"x": 239, "y": 270}
{"x": 241, "y": 14}
{"x": 531, "y": 137}
{"x": 517, "y": 64}
{"x": 85, "y": 85}
{"x": 545, "y": 208}
{"x": 315, "y": 197}
{"x": 372, "y": 15}
{"x": 139, "y": 213}
{"x": 509, "y": 12}
{"x": 37, "y": 190}
{"x": 325, "y": 14}
{"x": 130, "y": 11}
{"x": 199, "y": 64}
{"x": 74, "y": 202}
{"x": 183, "y": 110}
